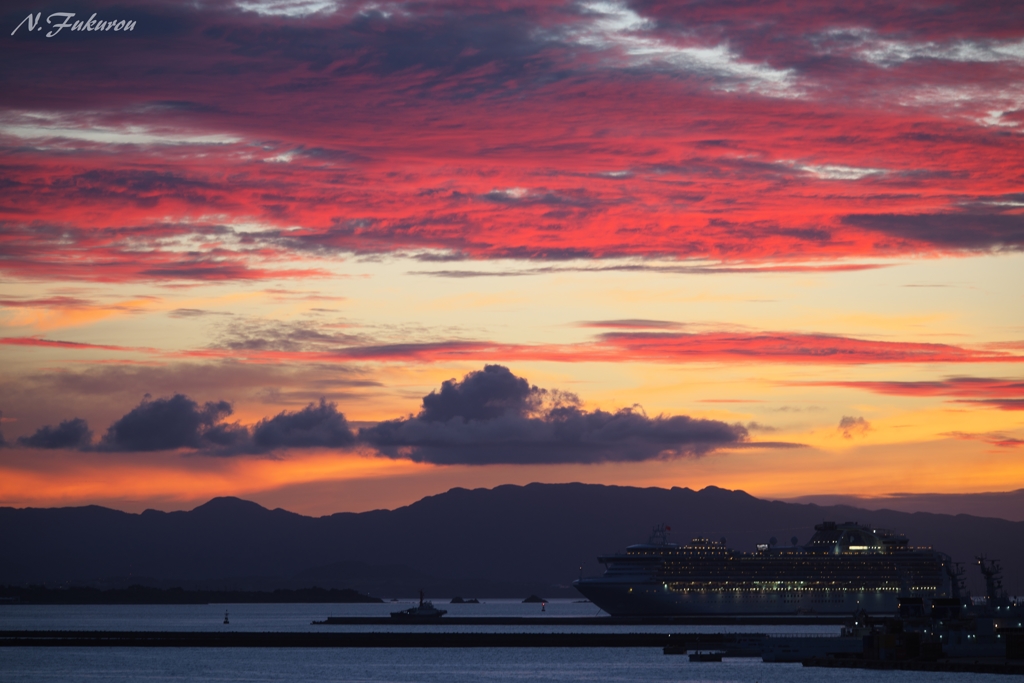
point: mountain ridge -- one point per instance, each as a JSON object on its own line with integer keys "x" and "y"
{"x": 502, "y": 542}
{"x": 1007, "y": 505}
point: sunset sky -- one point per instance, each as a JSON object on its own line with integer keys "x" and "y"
{"x": 337, "y": 256}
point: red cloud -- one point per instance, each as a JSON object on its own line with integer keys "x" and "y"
{"x": 490, "y": 133}
{"x": 667, "y": 347}
{"x": 651, "y": 347}
{"x": 1005, "y": 394}
{"x": 134, "y": 254}
{"x": 992, "y": 438}
{"x": 60, "y": 302}
{"x": 790, "y": 348}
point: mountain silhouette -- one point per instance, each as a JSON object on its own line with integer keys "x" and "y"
{"x": 509, "y": 541}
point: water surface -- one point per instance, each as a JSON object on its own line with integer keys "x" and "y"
{"x": 407, "y": 665}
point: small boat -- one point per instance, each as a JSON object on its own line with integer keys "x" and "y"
{"x": 699, "y": 656}
{"x": 425, "y": 611}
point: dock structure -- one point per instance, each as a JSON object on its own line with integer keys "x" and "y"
{"x": 700, "y": 620}
{"x": 322, "y": 640}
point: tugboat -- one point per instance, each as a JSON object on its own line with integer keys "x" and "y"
{"x": 425, "y": 611}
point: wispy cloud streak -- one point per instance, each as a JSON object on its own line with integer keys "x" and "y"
{"x": 1005, "y": 394}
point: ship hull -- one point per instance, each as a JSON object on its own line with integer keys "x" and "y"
{"x": 655, "y": 599}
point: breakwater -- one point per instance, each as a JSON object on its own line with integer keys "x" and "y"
{"x": 702, "y": 620}
{"x": 292, "y": 639}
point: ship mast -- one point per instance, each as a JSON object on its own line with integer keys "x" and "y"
{"x": 660, "y": 534}
{"x": 992, "y": 571}
{"x": 955, "y": 574}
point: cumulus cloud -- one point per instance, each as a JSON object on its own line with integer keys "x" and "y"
{"x": 482, "y": 395}
{"x": 180, "y": 422}
{"x": 74, "y": 433}
{"x": 853, "y": 426}
{"x": 316, "y": 425}
{"x": 492, "y": 417}
{"x": 170, "y": 423}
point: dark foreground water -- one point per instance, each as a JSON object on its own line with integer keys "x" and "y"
{"x": 412, "y": 665}
{"x": 649, "y": 665}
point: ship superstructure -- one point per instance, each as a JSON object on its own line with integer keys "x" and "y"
{"x": 844, "y": 569}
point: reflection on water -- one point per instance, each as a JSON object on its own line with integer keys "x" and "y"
{"x": 414, "y": 665}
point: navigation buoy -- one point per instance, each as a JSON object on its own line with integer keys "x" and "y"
{"x": 226, "y": 617}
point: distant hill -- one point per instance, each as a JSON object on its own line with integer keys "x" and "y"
{"x": 146, "y": 595}
{"x": 1001, "y": 504}
{"x": 509, "y": 541}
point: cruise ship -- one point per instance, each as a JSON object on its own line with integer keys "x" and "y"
{"x": 844, "y": 569}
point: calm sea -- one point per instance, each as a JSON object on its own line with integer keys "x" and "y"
{"x": 413, "y": 665}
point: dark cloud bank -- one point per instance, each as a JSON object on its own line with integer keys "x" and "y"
{"x": 490, "y": 417}
{"x": 179, "y": 422}
{"x": 68, "y": 434}
{"x": 313, "y": 426}
{"x": 168, "y": 423}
